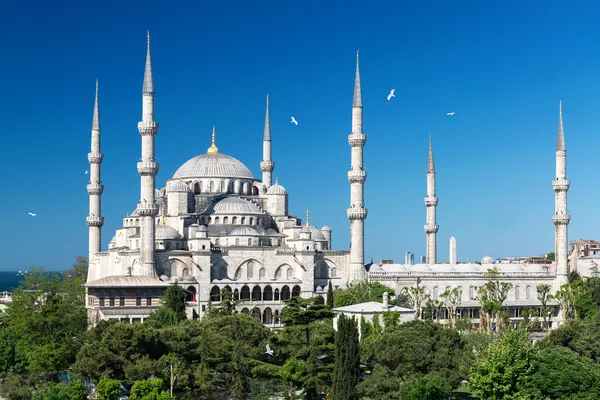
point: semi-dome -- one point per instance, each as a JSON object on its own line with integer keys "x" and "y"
{"x": 421, "y": 268}
{"x": 234, "y": 205}
{"x": 467, "y": 268}
{"x": 375, "y": 268}
{"x": 325, "y": 229}
{"x": 315, "y": 233}
{"x": 243, "y": 231}
{"x": 276, "y": 189}
{"x": 487, "y": 260}
{"x": 442, "y": 268}
{"x": 510, "y": 268}
{"x": 213, "y": 166}
{"x": 177, "y": 186}
{"x": 166, "y": 232}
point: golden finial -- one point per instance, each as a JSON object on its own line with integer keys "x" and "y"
{"x": 162, "y": 215}
{"x": 213, "y": 149}
{"x": 307, "y": 218}
{"x": 148, "y": 36}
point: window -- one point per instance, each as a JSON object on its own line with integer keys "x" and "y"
{"x": 148, "y": 301}
{"x": 111, "y": 302}
{"x": 138, "y": 301}
{"x": 249, "y": 242}
{"x": 122, "y": 301}
{"x": 102, "y": 301}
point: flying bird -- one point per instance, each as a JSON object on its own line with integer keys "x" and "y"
{"x": 86, "y": 172}
{"x": 269, "y": 351}
{"x": 451, "y": 113}
{"x": 391, "y": 94}
{"x": 32, "y": 214}
{"x": 293, "y": 121}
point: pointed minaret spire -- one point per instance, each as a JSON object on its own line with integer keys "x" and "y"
{"x": 148, "y": 80}
{"x": 267, "y": 165}
{"x": 213, "y": 149}
{"x": 431, "y": 201}
{"x": 307, "y": 218}
{"x": 560, "y": 141}
{"x": 430, "y": 163}
{"x": 357, "y": 101}
{"x": 95, "y": 188}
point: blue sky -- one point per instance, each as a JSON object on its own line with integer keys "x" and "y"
{"x": 501, "y": 66}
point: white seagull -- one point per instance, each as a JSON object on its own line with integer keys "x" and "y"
{"x": 86, "y": 172}
{"x": 269, "y": 351}
{"x": 451, "y": 113}
{"x": 391, "y": 94}
{"x": 293, "y": 121}
{"x": 32, "y": 214}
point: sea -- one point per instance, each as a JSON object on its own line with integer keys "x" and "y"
{"x": 9, "y": 280}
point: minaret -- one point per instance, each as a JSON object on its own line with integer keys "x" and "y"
{"x": 431, "y": 227}
{"x": 357, "y": 213}
{"x": 147, "y": 168}
{"x": 561, "y": 216}
{"x": 266, "y": 165}
{"x": 95, "y": 188}
{"x": 452, "y": 250}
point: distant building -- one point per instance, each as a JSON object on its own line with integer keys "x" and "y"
{"x": 585, "y": 257}
{"x": 409, "y": 258}
{"x": 422, "y": 260}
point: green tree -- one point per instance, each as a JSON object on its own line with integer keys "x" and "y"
{"x": 543, "y": 295}
{"x": 427, "y": 387}
{"x": 174, "y": 300}
{"x": 346, "y": 370}
{"x": 452, "y": 299}
{"x": 108, "y": 389}
{"x": 504, "y": 370}
{"x": 361, "y": 292}
{"x": 330, "y": 295}
{"x": 149, "y": 390}
{"x": 551, "y": 256}
{"x": 492, "y": 295}
{"x": 417, "y": 296}
{"x": 67, "y": 391}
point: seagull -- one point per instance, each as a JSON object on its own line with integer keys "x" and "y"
{"x": 32, "y": 214}
{"x": 391, "y": 94}
{"x": 293, "y": 121}
{"x": 451, "y": 113}
{"x": 86, "y": 172}
{"x": 269, "y": 351}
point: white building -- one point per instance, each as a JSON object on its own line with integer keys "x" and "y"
{"x": 215, "y": 226}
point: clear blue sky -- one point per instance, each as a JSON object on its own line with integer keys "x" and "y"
{"x": 501, "y": 66}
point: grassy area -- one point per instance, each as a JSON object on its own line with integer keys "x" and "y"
{"x": 463, "y": 393}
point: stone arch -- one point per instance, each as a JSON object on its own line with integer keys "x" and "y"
{"x": 211, "y": 186}
{"x": 217, "y": 220}
{"x": 285, "y": 292}
{"x": 237, "y": 241}
{"x": 268, "y": 316}
{"x": 135, "y": 267}
{"x": 517, "y": 293}
{"x": 226, "y": 289}
{"x": 245, "y": 188}
{"x": 262, "y": 274}
{"x": 289, "y": 273}
{"x": 320, "y": 300}
{"x": 223, "y": 187}
{"x": 268, "y": 293}
{"x": 243, "y": 221}
{"x": 245, "y": 310}
{"x": 434, "y": 294}
{"x": 528, "y": 292}
{"x": 225, "y": 220}
{"x": 256, "y": 294}
{"x": 296, "y": 291}
{"x": 191, "y": 294}
{"x": 245, "y": 293}
{"x": 276, "y": 295}
{"x": 276, "y": 317}
{"x": 249, "y": 242}
{"x": 234, "y": 220}
{"x": 248, "y": 269}
{"x": 256, "y": 313}
{"x": 281, "y": 271}
{"x": 215, "y": 294}
{"x": 471, "y": 293}
{"x": 177, "y": 268}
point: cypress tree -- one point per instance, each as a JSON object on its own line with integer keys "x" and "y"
{"x": 346, "y": 369}
{"x": 330, "y": 295}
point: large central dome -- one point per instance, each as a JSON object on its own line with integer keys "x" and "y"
{"x": 213, "y": 166}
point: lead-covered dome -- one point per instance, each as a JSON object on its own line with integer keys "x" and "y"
{"x": 213, "y": 166}
{"x": 234, "y": 205}
{"x": 166, "y": 232}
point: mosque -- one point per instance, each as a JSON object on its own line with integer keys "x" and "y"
{"x": 216, "y": 227}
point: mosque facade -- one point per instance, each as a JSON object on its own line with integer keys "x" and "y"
{"x": 216, "y": 227}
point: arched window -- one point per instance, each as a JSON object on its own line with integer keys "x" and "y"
{"x": 234, "y": 220}
{"x": 243, "y": 220}
{"x": 222, "y": 186}
{"x": 517, "y": 293}
{"x": 191, "y": 294}
{"x": 251, "y": 221}
{"x": 471, "y": 293}
{"x": 256, "y": 313}
{"x": 217, "y": 220}
{"x": 199, "y": 187}
{"x": 268, "y": 293}
{"x": 245, "y": 293}
{"x": 256, "y": 295}
{"x": 211, "y": 186}
{"x": 435, "y": 293}
{"x": 333, "y": 272}
{"x": 185, "y": 272}
{"x": 285, "y": 293}
{"x": 268, "y": 316}
{"x": 137, "y": 222}
{"x": 250, "y": 269}
{"x": 225, "y": 220}
{"x": 296, "y": 291}
{"x": 278, "y": 273}
{"x": 528, "y": 293}
{"x": 276, "y": 320}
{"x": 249, "y": 242}
{"x": 237, "y": 241}
{"x": 276, "y": 295}
{"x": 290, "y": 273}
{"x": 216, "y": 241}
{"x": 215, "y": 294}
{"x": 261, "y": 273}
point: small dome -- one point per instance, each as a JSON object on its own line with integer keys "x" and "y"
{"x": 467, "y": 268}
{"x": 177, "y": 186}
{"x": 376, "y": 268}
{"x": 394, "y": 268}
{"x": 166, "y": 232}
{"x": 243, "y": 231}
{"x": 276, "y": 189}
{"x": 535, "y": 268}
{"x": 202, "y": 228}
{"x": 442, "y": 268}
{"x": 213, "y": 166}
{"x": 420, "y": 268}
{"x": 510, "y": 268}
{"x": 325, "y": 229}
{"x": 487, "y": 260}
{"x": 234, "y": 205}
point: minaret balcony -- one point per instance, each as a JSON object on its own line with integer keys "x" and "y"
{"x": 431, "y": 201}
{"x": 357, "y": 139}
{"x": 148, "y": 128}
{"x": 147, "y": 168}
{"x": 95, "y": 188}
{"x": 357, "y": 213}
{"x": 267, "y": 166}
{"x": 357, "y": 176}
{"x": 145, "y": 209}
{"x": 431, "y": 228}
{"x": 561, "y": 185}
{"x": 561, "y": 219}
{"x": 94, "y": 221}
{"x": 95, "y": 158}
